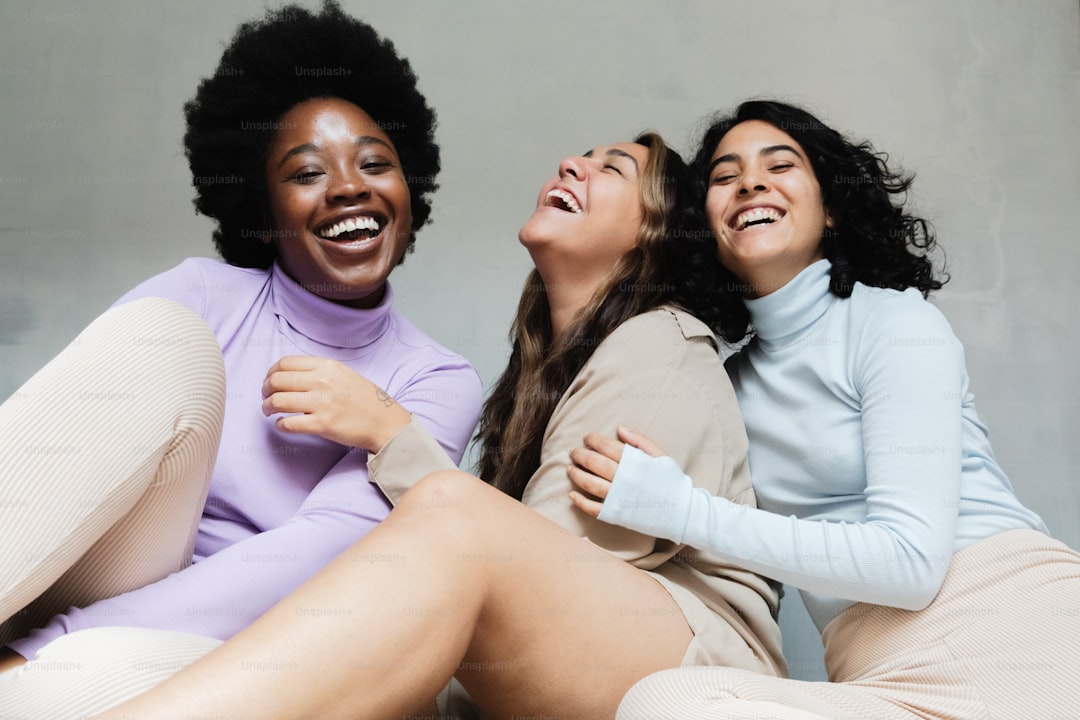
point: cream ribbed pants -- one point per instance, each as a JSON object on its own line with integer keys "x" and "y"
{"x": 1001, "y": 641}
{"x": 105, "y": 462}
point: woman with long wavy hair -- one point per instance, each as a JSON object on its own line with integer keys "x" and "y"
{"x": 535, "y": 608}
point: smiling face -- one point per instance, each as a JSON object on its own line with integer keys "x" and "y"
{"x": 764, "y": 205}
{"x": 591, "y": 214}
{"x": 339, "y": 203}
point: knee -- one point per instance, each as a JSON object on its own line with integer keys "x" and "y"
{"x": 453, "y": 491}
{"x": 451, "y": 503}
{"x": 180, "y": 347}
{"x": 155, "y": 324}
{"x": 154, "y": 317}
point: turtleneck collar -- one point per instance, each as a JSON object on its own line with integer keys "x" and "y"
{"x": 795, "y": 306}
{"x": 324, "y": 321}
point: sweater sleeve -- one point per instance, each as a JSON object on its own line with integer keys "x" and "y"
{"x": 654, "y": 375}
{"x": 909, "y": 372}
{"x": 223, "y": 593}
{"x": 409, "y": 456}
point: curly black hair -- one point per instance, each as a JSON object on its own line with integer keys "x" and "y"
{"x": 873, "y": 240}
{"x": 272, "y": 64}
{"x": 697, "y": 277}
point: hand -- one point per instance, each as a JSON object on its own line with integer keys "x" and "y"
{"x": 594, "y": 466}
{"x": 324, "y": 397}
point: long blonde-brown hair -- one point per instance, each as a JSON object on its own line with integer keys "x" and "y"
{"x": 541, "y": 367}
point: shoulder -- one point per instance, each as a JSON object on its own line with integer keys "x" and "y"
{"x": 664, "y": 332}
{"x": 424, "y": 360}
{"x": 899, "y": 336}
{"x": 412, "y": 338}
{"x": 201, "y": 284}
{"x": 206, "y": 276}
{"x": 896, "y": 317}
{"x": 216, "y": 270}
{"x": 666, "y": 349}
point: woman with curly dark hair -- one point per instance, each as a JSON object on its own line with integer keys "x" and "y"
{"x": 535, "y": 608}
{"x": 313, "y": 151}
{"x": 938, "y": 594}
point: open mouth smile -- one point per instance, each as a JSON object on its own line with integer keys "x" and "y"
{"x": 357, "y": 227}
{"x": 756, "y": 216}
{"x": 562, "y": 200}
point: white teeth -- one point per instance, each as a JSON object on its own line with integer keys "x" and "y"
{"x": 565, "y": 197}
{"x": 361, "y": 222}
{"x": 755, "y": 215}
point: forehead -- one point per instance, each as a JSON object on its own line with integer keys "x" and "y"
{"x": 323, "y": 121}
{"x": 750, "y": 136}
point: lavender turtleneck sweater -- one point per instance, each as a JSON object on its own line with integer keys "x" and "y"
{"x": 281, "y": 506}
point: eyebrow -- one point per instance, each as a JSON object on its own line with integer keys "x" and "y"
{"x": 618, "y": 153}
{"x": 361, "y": 141}
{"x": 770, "y": 150}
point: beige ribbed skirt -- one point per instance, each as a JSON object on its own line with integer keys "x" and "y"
{"x": 1000, "y": 641}
{"x": 105, "y": 460}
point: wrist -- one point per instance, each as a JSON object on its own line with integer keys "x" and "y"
{"x": 394, "y": 420}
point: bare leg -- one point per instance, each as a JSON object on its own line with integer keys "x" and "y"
{"x": 459, "y": 580}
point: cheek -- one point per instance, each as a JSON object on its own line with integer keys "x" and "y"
{"x": 282, "y": 207}
{"x": 628, "y": 225}
{"x": 714, "y": 211}
{"x": 396, "y": 188}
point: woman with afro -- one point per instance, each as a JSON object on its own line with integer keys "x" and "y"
{"x": 313, "y": 151}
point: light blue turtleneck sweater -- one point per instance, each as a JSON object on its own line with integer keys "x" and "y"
{"x": 870, "y": 464}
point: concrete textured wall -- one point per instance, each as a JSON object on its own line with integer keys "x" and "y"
{"x": 980, "y": 97}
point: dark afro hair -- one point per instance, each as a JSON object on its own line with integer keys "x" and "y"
{"x": 290, "y": 56}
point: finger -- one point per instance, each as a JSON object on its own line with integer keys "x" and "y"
{"x": 593, "y": 485}
{"x": 287, "y": 402}
{"x": 587, "y": 506}
{"x": 605, "y": 445}
{"x": 596, "y": 463}
{"x": 300, "y": 424}
{"x": 299, "y": 362}
{"x": 641, "y": 442}
{"x": 289, "y": 363}
{"x": 288, "y": 381}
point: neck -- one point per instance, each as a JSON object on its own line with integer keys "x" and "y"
{"x": 565, "y": 305}
{"x": 765, "y": 280}
{"x": 567, "y": 294}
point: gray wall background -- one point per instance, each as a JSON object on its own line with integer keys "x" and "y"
{"x": 980, "y": 97}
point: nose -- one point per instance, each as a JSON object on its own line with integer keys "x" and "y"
{"x": 753, "y": 181}
{"x": 347, "y": 183}
{"x": 572, "y": 166}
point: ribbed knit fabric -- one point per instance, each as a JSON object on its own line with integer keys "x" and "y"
{"x": 105, "y": 460}
{"x": 1000, "y": 642}
{"x": 90, "y": 671}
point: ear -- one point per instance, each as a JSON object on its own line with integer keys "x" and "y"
{"x": 829, "y": 222}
